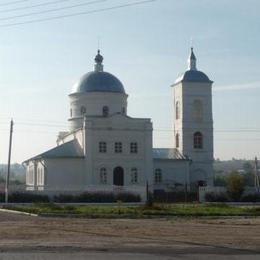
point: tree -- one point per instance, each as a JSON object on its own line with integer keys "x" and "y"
{"x": 220, "y": 181}
{"x": 235, "y": 185}
{"x": 247, "y": 167}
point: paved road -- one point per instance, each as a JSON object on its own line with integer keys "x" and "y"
{"x": 123, "y": 256}
{"x": 179, "y": 252}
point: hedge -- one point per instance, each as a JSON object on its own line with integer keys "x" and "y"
{"x": 86, "y": 197}
{"x": 180, "y": 196}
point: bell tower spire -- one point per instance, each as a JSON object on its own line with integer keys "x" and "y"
{"x": 192, "y": 61}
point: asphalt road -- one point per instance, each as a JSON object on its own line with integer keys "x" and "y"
{"x": 176, "y": 252}
{"x": 125, "y": 256}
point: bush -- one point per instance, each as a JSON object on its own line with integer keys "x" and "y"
{"x": 168, "y": 197}
{"x": 127, "y": 197}
{"x": 253, "y": 197}
{"x": 28, "y": 197}
{"x": 24, "y": 197}
{"x": 97, "y": 197}
{"x": 86, "y": 197}
{"x": 216, "y": 197}
{"x": 235, "y": 185}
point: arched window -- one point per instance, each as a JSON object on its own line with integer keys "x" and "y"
{"x": 134, "y": 176}
{"x": 197, "y": 110}
{"x": 198, "y": 140}
{"x": 103, "y": 175}
{"x": 177, "y": 140}
{"x": 177, "y": 110}
{"x": 105, "y": 111}
{"x": 83, "y": 110}
{"x": 158, "y": 176}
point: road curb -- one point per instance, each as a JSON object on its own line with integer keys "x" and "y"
{"x": 18, "y": 212}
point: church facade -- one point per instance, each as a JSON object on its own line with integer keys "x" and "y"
{"x": 107, "y": 150}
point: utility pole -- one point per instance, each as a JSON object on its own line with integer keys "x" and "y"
{"x": 257, "y": 183}
{"x": 9, "y": 161}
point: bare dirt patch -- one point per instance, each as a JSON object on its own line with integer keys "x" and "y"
{"x": 18, "y": 231}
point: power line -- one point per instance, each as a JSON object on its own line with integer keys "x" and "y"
{"x": 51, "y": 10}
{"x": 78, "y": 14}
{"x": 33, "y": 6}
{"x": 167, "y": 130}
{"x": 14, "y": 2}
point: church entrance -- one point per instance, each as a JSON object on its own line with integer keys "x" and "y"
{"x": 119, "y": 176}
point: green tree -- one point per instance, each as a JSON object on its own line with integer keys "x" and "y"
{"x": 219, "y": 181}
{"x": 247, "y": 167}
{"x": 235, "y": 185}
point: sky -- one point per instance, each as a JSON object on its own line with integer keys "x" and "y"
{"x": 146, "y": 46}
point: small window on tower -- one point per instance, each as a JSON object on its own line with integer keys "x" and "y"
{"x": 198, "y": 140}
{"x": 70, "y": 112}
{"x": 83, "y": 110}
{"x": 177, "y": 140}
{"x": 105, "y": 111}
{"x": 177, "y": 110}
{"x": 197, "y": 110}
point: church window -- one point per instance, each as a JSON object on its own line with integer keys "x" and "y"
{"x": 133, "y": 147}
{"x": 31, "y": 175}
{"x": 134, "y": 175}
{"x": 198, "y": 140}
{"x": 102, "y": 147}
{"x": 40, "y": 176}
{"x": 105, "y": 111}
{"x": 123, "y": 111}
{"x": 103, "y": 175}
{"x": 70, "y": 112}
{"x": 177, "y": 110}
{"x": 177, "y": 140}
{"x": 83, "y": 110}
{"x": 118, "y": 147}
{"x": 158, "y": 176}
{"x": 197, "y": 110}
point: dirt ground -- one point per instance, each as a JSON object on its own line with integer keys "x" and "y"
{"x": 19, "y": 232}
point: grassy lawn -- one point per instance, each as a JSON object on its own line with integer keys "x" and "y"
{"x": 121, "y": 211}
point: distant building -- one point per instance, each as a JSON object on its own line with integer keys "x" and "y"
{"x": 107, "y": 150}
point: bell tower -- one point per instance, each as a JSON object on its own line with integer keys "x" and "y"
{"x": 193, "y": 122}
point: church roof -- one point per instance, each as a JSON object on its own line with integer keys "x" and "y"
{"x": 70, "y": 149}
{"x": 192, "y": 74}
{"x": 98, "y": 80}
{"x": 168, "y": 153}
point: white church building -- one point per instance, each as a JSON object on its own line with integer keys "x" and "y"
{"x": 107, "y": 150}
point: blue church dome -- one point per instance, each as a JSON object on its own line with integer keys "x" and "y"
{"x": 192, "y": 74}
{"x": 98, "y": 80}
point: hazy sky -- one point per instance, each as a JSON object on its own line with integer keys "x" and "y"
{"x": 146, "y": 47}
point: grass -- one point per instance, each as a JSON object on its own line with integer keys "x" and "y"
{"x": 120, "y": 211}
